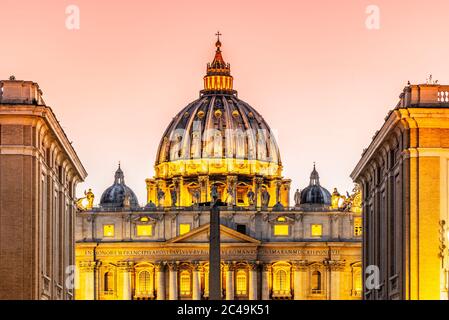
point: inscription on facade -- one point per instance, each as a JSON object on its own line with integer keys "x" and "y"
{"x": 205, "y": 252}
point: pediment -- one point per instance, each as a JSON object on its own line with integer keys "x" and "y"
{"x": 201, "y": 235}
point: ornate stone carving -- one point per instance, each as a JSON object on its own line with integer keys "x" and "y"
{"x": 229, "y": 266}
{"x": 196, "y": 266}
{"x": 125, "y": 266}
{"x": 173, "y": 266}
{"x": 267, "y": 267}
{"x": 89, "y": 266}
{"x": 335, "y": 265}
{"x": 300, "y": 265}
{"x": 253, "y": 266}
{"x": 159, "y": 266}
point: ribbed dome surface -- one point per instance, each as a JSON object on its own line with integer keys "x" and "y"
{"x": 218, "y": 126}
{"x": 119, "y": 195}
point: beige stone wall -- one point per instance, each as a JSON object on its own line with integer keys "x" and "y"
{"x": 404, "y": 178}
{"x": 38, "y": 174}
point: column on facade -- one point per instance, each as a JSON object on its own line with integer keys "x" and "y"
{"x": 278, "y": 190}
{"x": 335, "y": 269}
{"x": 229, "y": 273}
{"x": 160, "y": 281}
{"x": 125, "y": 269}
{"x": 334, "y": 226}
{"x": 87, "y": 280}
{"x": 299, "y": 280}
{"x": 252, "y": 282}
{"x": 179, "y": 187}
{"x": 287, "y": 185}
{"x": 204, "y": 188}
{"x": 173, "y": 281}
{"x": 258, "y": 186}
{"x": 196, "y": 282}
{"x": 161, "y": 200}
{"x": 266, "y": 276}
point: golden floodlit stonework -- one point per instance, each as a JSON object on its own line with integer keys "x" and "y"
{"x": 404, "y": 176}
{"x": 270, "y": 249}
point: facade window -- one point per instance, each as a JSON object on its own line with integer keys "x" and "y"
{"x": 316, "y": 282}
{"x": 145, "y": 280}
{"x": 281, "y": 230}
{"x": 144, "y": 230}
{"x": 185, "y": 283}
{"x": 108, "y": 281}
{"x": 316, "y": 230}
{"x": 184, "y": 228}
{"x": 108, "y": 230}
{"x": 281, "y": 285}
{"x": 241, "y": 228}
{"x": 241, "y": 283}
{"x": 357, "y": 227}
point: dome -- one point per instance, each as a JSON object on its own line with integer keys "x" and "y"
{"x": 315, "y": 193}
{"x": 217, "y": 131}
{"x": 119, "y": 195}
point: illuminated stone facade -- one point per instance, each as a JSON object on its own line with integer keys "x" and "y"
{"x": 39, "y": 170}
{"x": 270, "y": 250}
{"x": 303, "y": 253}
{"x": 404, "y": 179}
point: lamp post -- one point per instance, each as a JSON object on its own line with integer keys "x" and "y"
{"x": 214, "y": 248}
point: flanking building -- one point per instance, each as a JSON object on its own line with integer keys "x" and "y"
{"x": 403, "y": 175}
{"x": 39, "y": 170}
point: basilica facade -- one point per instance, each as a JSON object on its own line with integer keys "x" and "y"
{"x": 272, "y": 247}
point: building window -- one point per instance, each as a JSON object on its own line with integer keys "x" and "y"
{"x": 108, "y": 230}
{"x": 241, "y": 228}
{"x": 281, "y": 230}
{"x": 316, "y": 282}
{"x": 184, "y": 228}
{"x": 316, "y": 230}
{"x": 357, "y": 227}
{"x": 108, "y": 281}
{"x": 144, "y": 230}
{"x": 185, "y": 283}
{"x": 241, "y": 283}
{"x": 145, "y": 284}
{"x": 281, "y": 285}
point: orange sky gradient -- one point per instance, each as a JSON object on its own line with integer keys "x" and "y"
{"x": 319, "y": 77}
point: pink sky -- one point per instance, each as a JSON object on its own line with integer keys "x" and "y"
{"x": 311, "y": 68}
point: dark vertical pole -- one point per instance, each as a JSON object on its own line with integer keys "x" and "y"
{"x": 214, "y": 254}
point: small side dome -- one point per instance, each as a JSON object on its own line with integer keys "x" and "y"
{"x": 119, "y": 195}
{"x": 315, "y": 194}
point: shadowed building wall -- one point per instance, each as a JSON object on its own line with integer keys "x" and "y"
{"x": 38, "y": 173}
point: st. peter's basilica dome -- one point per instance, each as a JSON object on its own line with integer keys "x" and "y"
{"x": 218, "y": 140}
